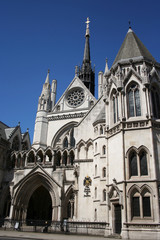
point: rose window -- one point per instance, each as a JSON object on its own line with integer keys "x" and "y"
{"x": 75, "y": 97}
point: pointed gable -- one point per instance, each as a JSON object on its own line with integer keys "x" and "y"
{"x": 76, "y": 97}
{"x": 132, "y": 47}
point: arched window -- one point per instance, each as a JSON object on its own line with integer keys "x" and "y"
{"x": 65, "y": 143}
{"x": 134, "y": 106}
{"x": 71, "y": 157}
{"x": 72, "y": 139}
{"x": 133, "y": 164}
{"x": 104, "y": 195}
{"x": 155, "y": 102}
{"x": 31, "y": 157}
{"x": 141, "y": 204}
{"x": 58, "y": 159}
{"x": 95, "y": 170}
{"x": 65, "y": 158}
{"x": 95, "y": 147}
{"x": 138, "y": 164}
{"x": 95, "y": 192}
{"x": 48, "y": 156}
{"x": 104, "y": 150}
{"x": 136, "y": 205}
{"x": 101, "y": 129}
{"x": 95, "y": 214}
{"x": 104, "y": 172}
{"x": 143, "y": 163}
{"x": 115, "y": 108}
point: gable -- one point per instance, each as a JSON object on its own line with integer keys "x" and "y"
{"x": 76, "y": 97}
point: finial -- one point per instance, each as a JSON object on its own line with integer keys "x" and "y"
{"x": 47, "y": 78}
{"x": 106, "y": 67}
{"x": 130, "y": 29}
{"x": 76, "y": 70}
{"x": 129, "y": 22}
{"x": 87, "y": 26}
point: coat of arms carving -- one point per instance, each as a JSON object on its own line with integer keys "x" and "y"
{"x": 87, "y": 183}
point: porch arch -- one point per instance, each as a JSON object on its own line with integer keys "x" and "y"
{"x": 27, "y": 188}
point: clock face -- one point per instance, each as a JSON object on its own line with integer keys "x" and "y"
{"x": 75, "y": 97}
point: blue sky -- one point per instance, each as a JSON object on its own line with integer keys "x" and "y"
{"x": 37, "y": 35}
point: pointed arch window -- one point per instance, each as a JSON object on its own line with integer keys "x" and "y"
{"x": 134, "y": 106}
{"x": 95, "y": 214}
{"x": 104, "y": 150}
{"x": 65, "y": 143}
{"x": 95, "y": 170}
{"x": 143, "y": 163}
{"x": 155, "y": 102}
{"x": 95, "y": 192}
{"x": 133, "y": 164}
{"x": 104, "y": 195}
{"x": 115, "y": 108}
{"x": 138, "y": 163}
{"x": 141, "y": 204}
{"x": 104, "y": 172}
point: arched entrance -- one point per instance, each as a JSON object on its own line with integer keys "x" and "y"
{"x": 39, "y": 206}
{"x": 36, "y": 198}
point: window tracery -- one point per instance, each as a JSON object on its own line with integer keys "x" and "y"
{"x": 141, "y": 204}
{"x": 75, "y": 97}
{"x": 138, "y": 165}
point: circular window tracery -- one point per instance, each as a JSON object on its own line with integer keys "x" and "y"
{"x": 75, "y": 97}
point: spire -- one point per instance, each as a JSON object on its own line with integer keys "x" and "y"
{"x": 106, "y": 67}
{"x": 86, "y": 58}
{"x": 86, "y": 74}
{"x": 47, "y": 78}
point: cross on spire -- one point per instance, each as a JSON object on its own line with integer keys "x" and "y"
{"x": 87, "y": 26}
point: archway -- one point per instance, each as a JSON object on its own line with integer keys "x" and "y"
{"x": 39, "y": 206}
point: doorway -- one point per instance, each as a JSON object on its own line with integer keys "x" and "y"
{"x": 117, "y": 218}
{"x": 39, "y": 206}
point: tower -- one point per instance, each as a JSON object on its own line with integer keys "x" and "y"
{"x": 45, "y": 104}
{"x": 86, "y": 73}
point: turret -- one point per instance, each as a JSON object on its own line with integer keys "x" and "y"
{"x": 45, "y": 100}
{"x": 41, "y": 123}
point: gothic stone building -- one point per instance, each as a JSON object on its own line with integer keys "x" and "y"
{"x": 96, "y": 162}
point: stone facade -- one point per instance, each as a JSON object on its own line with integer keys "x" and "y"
{"x": 96, "y": 162}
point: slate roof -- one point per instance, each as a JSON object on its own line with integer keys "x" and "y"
{"x": 9, "y": 132}
{"x": 132, "y": 47}
{"x": 101, "y": 116}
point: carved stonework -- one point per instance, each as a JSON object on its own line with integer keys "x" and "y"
{"x": 66, "y": 116}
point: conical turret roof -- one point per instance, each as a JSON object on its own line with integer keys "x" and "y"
{"x": 132, "y": 47}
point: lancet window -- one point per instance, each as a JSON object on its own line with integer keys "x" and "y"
{"x": 115, "y": 108}
{"x": 134, "y": 106}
